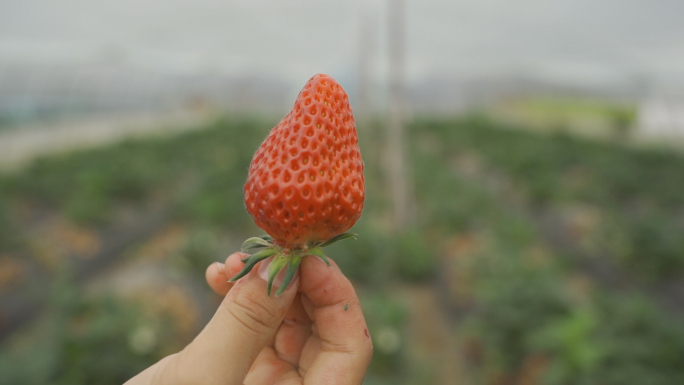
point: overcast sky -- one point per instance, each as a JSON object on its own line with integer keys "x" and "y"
{"x": 580, "y": 41}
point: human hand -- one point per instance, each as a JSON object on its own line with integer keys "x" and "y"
{"x": 314, "y": 333}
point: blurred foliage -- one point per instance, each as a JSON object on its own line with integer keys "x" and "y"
{"x": 517, "y": 303}
{"x": 87, "y": 340}
{"x": 650, "y": 243}
{"x": 590, "y": 117}
{"x": 367, "y": 260}
{"x": 415, "y": 259}
{"x": 207, "y": 166}
{"x": 641, "y": 344}
{"x": 609, "y": 174}
{"x": 558, "y": 169}
{"x": 479, "y": 189}
{"x": 199, "y": 251}
{"x": 386, "y": 320}
{"x": 606, "y": 339}
{"x": 569, "y": 108}
{"x": 5, "y": 226}
{"x": 531, "y": 322}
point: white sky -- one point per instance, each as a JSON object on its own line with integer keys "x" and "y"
{"x": 583, "y": 41}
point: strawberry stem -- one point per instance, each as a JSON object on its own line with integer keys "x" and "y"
{"x": 318, "y": 251}
{"x": 283, "y": 258}
{"x": 279, "y": 261}
{"x": 255, "y": 242}
{"x": 292, "y": 267}
{"x": 253, "y": 260}
{"x": 338, "y": 238}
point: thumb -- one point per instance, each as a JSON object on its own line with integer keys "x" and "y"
{"x": 243, "y": 325}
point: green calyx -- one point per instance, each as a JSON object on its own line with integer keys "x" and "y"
{"x": 282, "y": 258}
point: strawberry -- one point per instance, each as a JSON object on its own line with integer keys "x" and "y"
{"x": 305, "y": 185}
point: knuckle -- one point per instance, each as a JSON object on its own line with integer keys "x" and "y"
{"x": 174, "y": 371}
{"x": 369, "y": 351}
{"x": 252, "y": 314}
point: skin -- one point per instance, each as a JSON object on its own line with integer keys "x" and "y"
{"x": 314, "y": 333}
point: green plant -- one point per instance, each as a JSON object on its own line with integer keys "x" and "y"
{"x": 386, "y": 319}
{"x": 648, "y": 243}
{"x": 571, "y": 343}
{"x": 415, "y": 259}
{"x": 200, "y": 249}
{"x": 516, "y": 303}
{"x": 642, "y": 344}
{"x": 75, "y": 328}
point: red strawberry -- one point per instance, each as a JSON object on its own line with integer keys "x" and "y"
{"x": 305, "y": 185}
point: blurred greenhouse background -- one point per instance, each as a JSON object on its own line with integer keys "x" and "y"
{"x": 540, "y": 158}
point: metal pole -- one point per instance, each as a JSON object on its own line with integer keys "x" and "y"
{"x": 398, "y": 176}
{"x": 365, "y": 51}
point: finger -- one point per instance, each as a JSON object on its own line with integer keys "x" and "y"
{"x": 293, "y": 333}
{"x": 242, "y": 326}
{"x": 218, "y": 274}
{"x": 217, "y": 278}
{"x": 340, "y": 350}
{"x": 147, "y": 376}
{"x": 268, "y": 368}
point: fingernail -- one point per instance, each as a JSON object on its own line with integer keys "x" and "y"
{"x": 323, "y": 261}
{"x": 221, "y": 268}
{"x": 217, "y": 267}
{"x": 263, "y": 271}
{"x": 279, "y": 278}
{"x": 263, "y": 268}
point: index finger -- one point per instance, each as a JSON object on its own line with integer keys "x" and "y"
{"x": 345, "y": 344}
